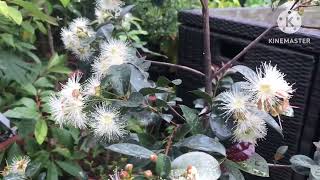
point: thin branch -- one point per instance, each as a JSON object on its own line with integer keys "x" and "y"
{"x": 206, "y": 45}
{"x": 278, "y": 165}
{"x": 50, "y": 40}
{"x": 310, "y": 27}
{"x": 243, "y": 52}
{"x": 178, "y": 67}
{"x": 175, "y": 112}
{"x": 301, "y": 5}
{"x": 170, "y": 140}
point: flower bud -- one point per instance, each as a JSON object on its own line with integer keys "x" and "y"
{"x": 129, "y": 167}
{"x": 148, "y": 174}
{"x": 124, "y": 174}
{"x": 154, "y": 158}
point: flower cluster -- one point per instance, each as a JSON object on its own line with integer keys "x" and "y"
{"x": 107, "y": 9}
{"x": 264, "y": 90}
{"x": 17, "y": 167}
{"x": 113, "y": 52}
{"x": 68, "y": 108}
{"x": 77, "y": 38}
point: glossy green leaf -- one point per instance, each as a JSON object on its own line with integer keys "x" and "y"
{"x": 163, "y": 165}
{"x": 192, "y": 118}
{"x": 71, "y": 168}
{"x": 206, "y": 165}
{"x": 41, "y": 130}
{"x": 131, "y": 150}
{"x": 65, "y": 2}
{"x": 52, "y": 172}
{"x": 29, "y": 6}
{"x": 22, "y": 113}
{"x": 255, "y": 165}
{"x": 202, "y": 143}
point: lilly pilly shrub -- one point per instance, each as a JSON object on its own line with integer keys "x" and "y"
{"x": 134, "y": 120}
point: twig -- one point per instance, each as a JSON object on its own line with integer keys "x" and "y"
{"x": 206, "y": 45}
{"x": 300, "y": 5}
{"x": 175, "y": 112}
{"x": 177, "y": 66}
{"x": 50, "y": 40}
{"x": 243, "y": 52}
{"x": 279, "y": 165}
{"x": 310, "y": 27}
{"x": 170, "y": 140}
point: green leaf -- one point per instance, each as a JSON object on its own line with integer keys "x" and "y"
{"x": 148, "y": 91}
{"x": 8, "y": 38}
{"x": 52, "y": 173}
{"x": 28, "y": 102}
{"x": 22, "y": 113}
{"x": 65, "y": 2}
{"x": 4, "y": 9}
{"x": 192, "y": 118}
{"x": 232, "y": 172}
{"x": 202, "y": 94}
{"x": 26, "y": 127}
{"x": 41, "y": 27}
{"x": 63, "y": 136}
{"x": 315, "y": 172}
{"x": 302, "y": 160}
{"x": 131, "y": 150}
{"x": 60, "y": 70}
{"x": 13, "y": 152}
{"x": 255, "y": 165}
{"x": 40, "y": 131}
{"x": 43, "y": 82}
{"x": 12, "y": 67}
{"x": 33, "y": 168}
{"x": 163, "y": 165}
{"x": 12, "y": 13}
{"x": 71, "y": 168}
{"x": 206, "y": 165}
{"x": 29, "y": 88}
{"x": 56, "y": 60}
{"x": 62, "y": 151}
{"x": 202, "y": 143}
{"x": 119, "y": 78}
{"x": 35, "y": 11}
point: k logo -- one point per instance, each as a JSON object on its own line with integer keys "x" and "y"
{"x": 289, "y": 21}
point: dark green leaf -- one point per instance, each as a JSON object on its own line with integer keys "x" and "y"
{"x": 255, "y": 165}
{"x": 202, "y": 94}
{"x": 192, "y": 118}
{"x": 52, "y": 173}
{"x": 163, "y": 165}
{"x": 71, "y": 168}
{"x": 202, "y": 143}
{"x": 131, "y": 150}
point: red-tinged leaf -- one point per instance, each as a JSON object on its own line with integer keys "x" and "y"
{"x": 240, "y": 151}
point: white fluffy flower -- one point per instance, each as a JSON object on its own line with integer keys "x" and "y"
{"x": 83, "y": 52}
{"x": 269, "y": 88}
{"x": 57, "y": 109}
{"x": 111, "y": 5}
{"x": 68, "y": 38}
{"x": 113, "y": 52}
{"x": 234, "y": 102}
{"x": 106, "y": 123}
{"x": 103, "y": 15}
{"x": 250, "y": 129}
{"x": 81, "y": 28}
{"x": 19, "y": 165}
{"x": 92, "y": 86}
{"x": 116, "y": 51}
{"x": 68, "y": 107}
